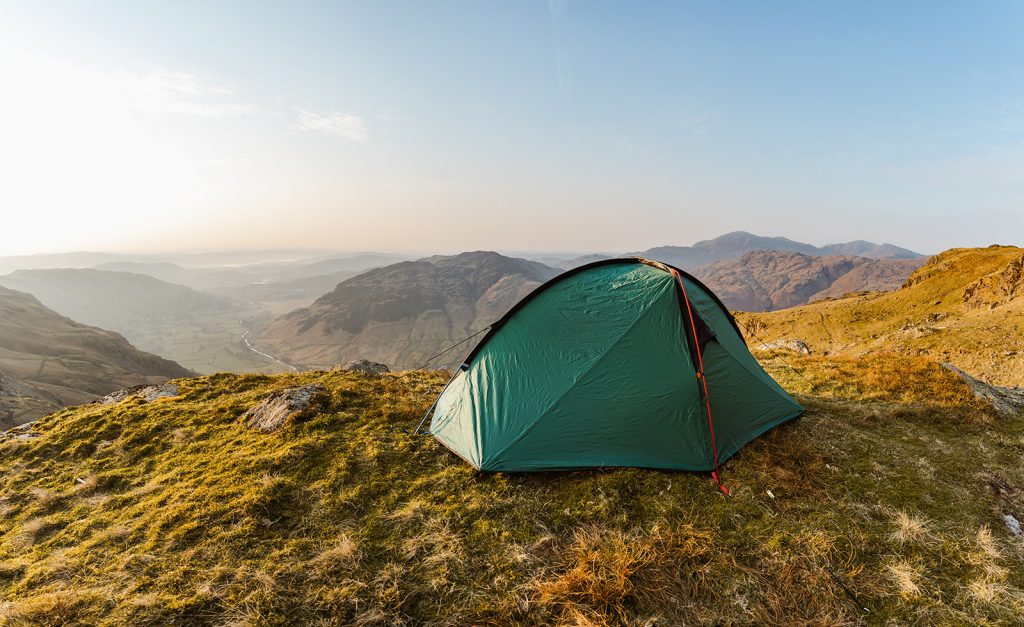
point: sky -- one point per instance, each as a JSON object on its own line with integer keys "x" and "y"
{"x": 518, "y": 125}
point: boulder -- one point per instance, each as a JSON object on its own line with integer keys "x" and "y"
{"x": 362, "y": 365}
{"x": 21, "y": 432}
{"x": 797, "y": 346}
{"x": 147, "y": 393}
{"x": 1012, "y": 524}
{"x": 279, "y": 407}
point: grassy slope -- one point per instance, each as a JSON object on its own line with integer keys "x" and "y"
{"x": 929, "y": 316}
{"x": 174, "y": 512}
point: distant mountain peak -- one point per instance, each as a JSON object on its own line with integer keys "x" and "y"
{"x": 734, "y": 244}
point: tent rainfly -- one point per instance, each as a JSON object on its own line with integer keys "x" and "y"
{"x": 622, "y": 362}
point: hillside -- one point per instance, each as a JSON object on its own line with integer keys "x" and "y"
{"x": 175, "y": 512}
{"x": 48, "y": 361}
{"x": 201, "y": 331}
{"x": 736, "y": 244}
{"x": 769, "y": 280}
{"x": 403, "y": 313}
{"x": 965, "y": 306}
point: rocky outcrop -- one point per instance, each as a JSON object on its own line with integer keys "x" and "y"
{"x": 362, "y": 365}
{"x": 996, "y": 288}
{"x": 147, "y": 393}
{"x": 292, "y": 403}
{"x": 24, "y": 431}
{"x": 1005, "y": 400}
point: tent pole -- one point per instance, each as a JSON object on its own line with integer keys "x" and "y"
{"x": 717, "y": 474}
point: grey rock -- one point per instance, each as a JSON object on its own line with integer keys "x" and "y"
{"x": 147, "y": 393}
{"x": 1012, "y": 524}
{"x": 1006, "y": 401}
{"x": 274, "y": 412}
{"x": 21, "y": 432}
{"x": 797, "y": 346}
{"x": 362, "y": 365}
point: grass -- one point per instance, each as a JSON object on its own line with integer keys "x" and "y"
{"x": 898, "y": 382}
{"x": 174, "y": 512}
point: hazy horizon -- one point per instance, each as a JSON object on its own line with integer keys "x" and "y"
{"x": 537, "y": 126}
{"x": 307, "y": 253}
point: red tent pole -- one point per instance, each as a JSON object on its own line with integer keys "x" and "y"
{"x": 716, "y": 475}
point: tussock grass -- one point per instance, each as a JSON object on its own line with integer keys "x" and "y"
{"x": 880, "y": 377}
{"x": 184, "y": 515}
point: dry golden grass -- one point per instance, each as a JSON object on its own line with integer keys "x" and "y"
{"x": 907, "y": 578}
{"x": 880, "y": 377}
{"x": 909, "y": 528}
{"x": 605, "y": 570}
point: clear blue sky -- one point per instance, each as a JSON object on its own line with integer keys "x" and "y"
{"x": 514, "y": 125}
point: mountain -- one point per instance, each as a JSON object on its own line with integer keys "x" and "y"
{"x": 897, "y": 488}
{"x": 214, "y": 259}
{"x": 306, "y": 269}
{"x": 201, "y": 331}
{"x": 56, "y": 260}
{"x": 576, "y": 262}
{"x": 48, "y": 361}
{"x": 735, "y": 244}
{"x": 403, "y": 313}
{"x": 768, "y": 280}
{"x": 196, "y": 278}
{"x": 218, "y": 277}
{"x": 964, "y": 306}
{"x": 860, "y": 248}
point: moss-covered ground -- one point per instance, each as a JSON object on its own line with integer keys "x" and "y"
{"x": 173, "y": 512}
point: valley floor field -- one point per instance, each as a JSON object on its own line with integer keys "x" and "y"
{"x": 209, "y": 343}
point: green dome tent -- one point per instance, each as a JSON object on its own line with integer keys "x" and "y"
{"x": 601, "y": 366}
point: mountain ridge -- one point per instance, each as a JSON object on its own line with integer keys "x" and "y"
{"x": 736, "y": 243}
{"x": 769, "y": 280}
